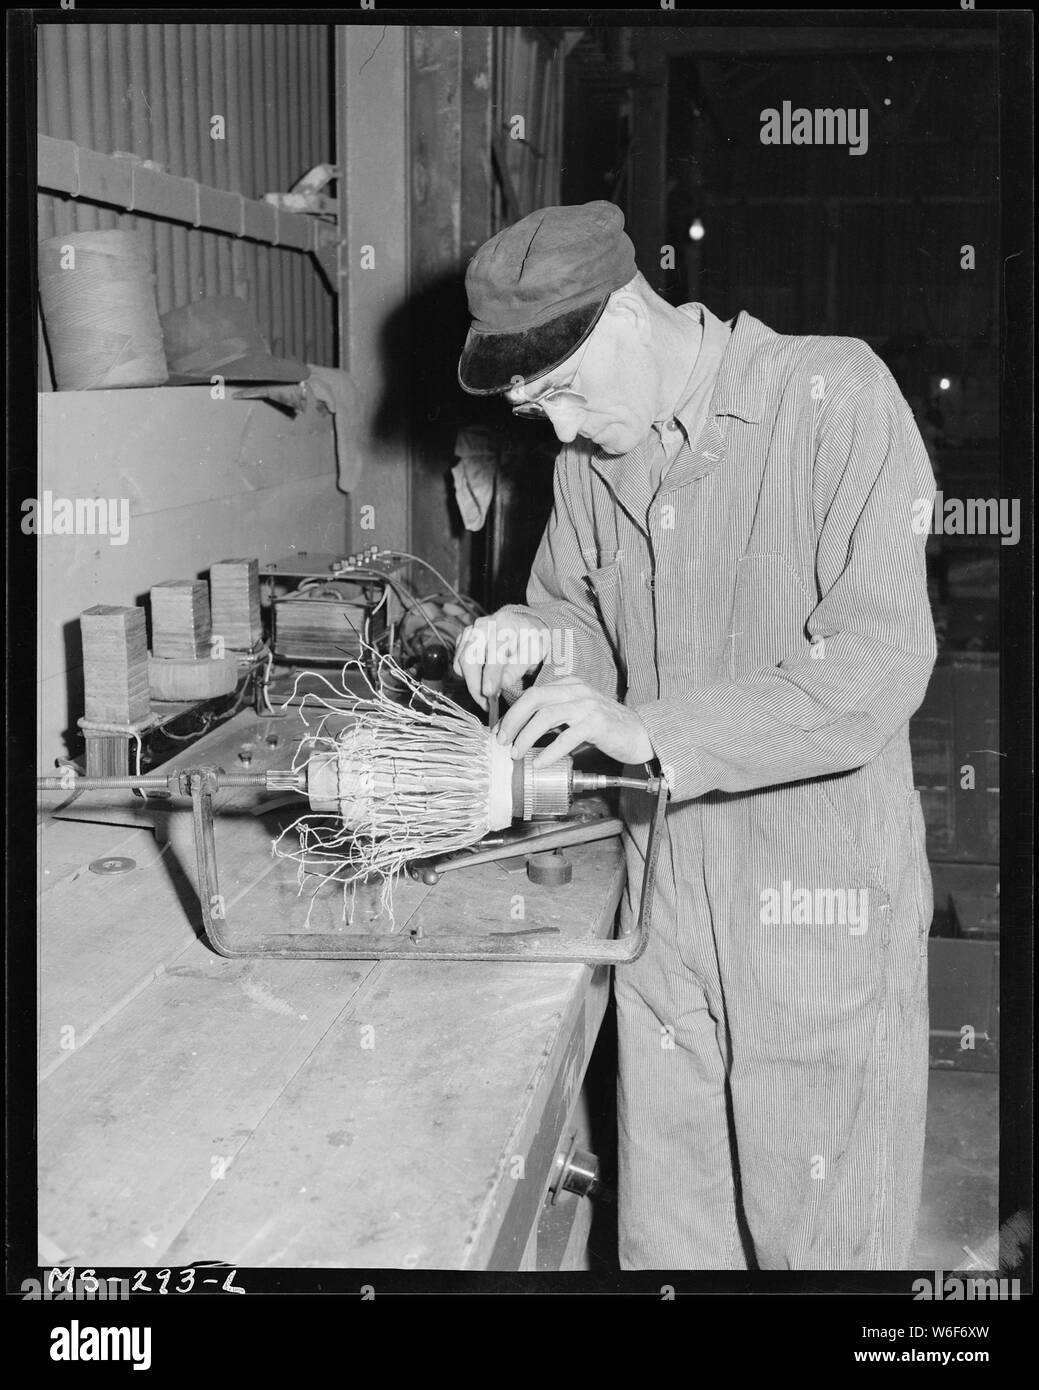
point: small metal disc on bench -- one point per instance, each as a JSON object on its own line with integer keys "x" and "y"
{"x": 549, "y": 868}
{"x": 115, "y": 864}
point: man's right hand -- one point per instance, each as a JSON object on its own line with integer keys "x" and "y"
{"x": 498, "y": 651}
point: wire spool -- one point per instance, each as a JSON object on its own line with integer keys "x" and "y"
{"x": 97, "y": 292}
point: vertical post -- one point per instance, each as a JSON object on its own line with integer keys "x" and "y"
{"x": 477, "y": 176}
{"x": 449, "y": 84}
{"x": 373, "y": 276}
{"x": 646, "y": 198}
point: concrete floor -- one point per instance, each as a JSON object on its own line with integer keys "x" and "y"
{"x": 959, "y": 1209}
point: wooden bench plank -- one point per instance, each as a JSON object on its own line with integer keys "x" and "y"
{"x": 303, "y": 1112}
{"x": 393, "y": 1143}
{"x": 422, "y": 1131}
{"x": 102, "y": 939}
{"x": 136, "y": 1131}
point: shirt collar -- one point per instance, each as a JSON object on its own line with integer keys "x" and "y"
{"x": 713, "y": 344}
{"x": 739, "y": 390}
{"x": 744, "y": 371}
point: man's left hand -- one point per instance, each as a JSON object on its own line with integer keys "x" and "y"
{"x": 583, "y": 714}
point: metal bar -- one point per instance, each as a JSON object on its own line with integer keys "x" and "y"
{"x": 150, "y": 781}
{"x": 213, "y": 912}
{"x": 560, "y": 837}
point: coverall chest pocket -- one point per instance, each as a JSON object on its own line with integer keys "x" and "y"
{"x": 606, "y": 585}
{"x": 769, "y": 612}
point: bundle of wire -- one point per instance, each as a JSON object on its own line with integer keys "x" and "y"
{"x": 405, "y": 780}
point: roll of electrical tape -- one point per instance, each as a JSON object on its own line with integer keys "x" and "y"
{"x": 550, "y": 869}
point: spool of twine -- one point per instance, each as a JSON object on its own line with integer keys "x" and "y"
{"x": 97, "y": 292}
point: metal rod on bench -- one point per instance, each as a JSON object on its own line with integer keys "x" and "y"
{"x": 202, "y": 782}
{"x": 370, "y": 946}
{"x": 72, "y": 782}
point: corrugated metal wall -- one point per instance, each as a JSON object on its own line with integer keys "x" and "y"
{"x": 151, "y": 90}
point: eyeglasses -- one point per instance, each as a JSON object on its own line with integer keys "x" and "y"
{"x": 533, "y": 410}
{"x": 561, "y": 395}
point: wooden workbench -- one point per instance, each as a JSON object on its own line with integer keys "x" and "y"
{"x": 296, "y": 1113}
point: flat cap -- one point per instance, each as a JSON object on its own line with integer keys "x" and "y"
{"x": 220, "y": 336}
{"x": 536, "y": 290}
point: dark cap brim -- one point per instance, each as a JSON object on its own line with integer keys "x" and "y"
{"x": 254, "y": 366}
{"x": 491, "y": 362}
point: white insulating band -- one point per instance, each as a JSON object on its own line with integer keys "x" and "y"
{"x": 500, "y": 809}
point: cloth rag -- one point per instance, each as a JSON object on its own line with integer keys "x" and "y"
{"x": 474, "y": 475}
{"x": 337, "y": 390}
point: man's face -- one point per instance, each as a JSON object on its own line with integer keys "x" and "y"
{"x": 613, "y": 371}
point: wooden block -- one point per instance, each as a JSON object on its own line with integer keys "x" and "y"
{"x": 115, "y": 665}
{"x": 108, "y": 755}
{"x": 181, "y": 621}
{"x": 200, "y": 679}
{"x": 234, "y": 596}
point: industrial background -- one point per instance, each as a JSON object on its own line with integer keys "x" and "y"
{"x": 419, "y": 123}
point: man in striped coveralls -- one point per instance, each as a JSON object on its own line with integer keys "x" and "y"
{"x": 732, "y": 563}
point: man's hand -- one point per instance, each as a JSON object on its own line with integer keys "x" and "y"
{"x": 497, "y": 651}
{"x": 584, "y": 715}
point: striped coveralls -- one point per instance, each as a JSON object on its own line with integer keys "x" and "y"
{"x": 766, "y": 615}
